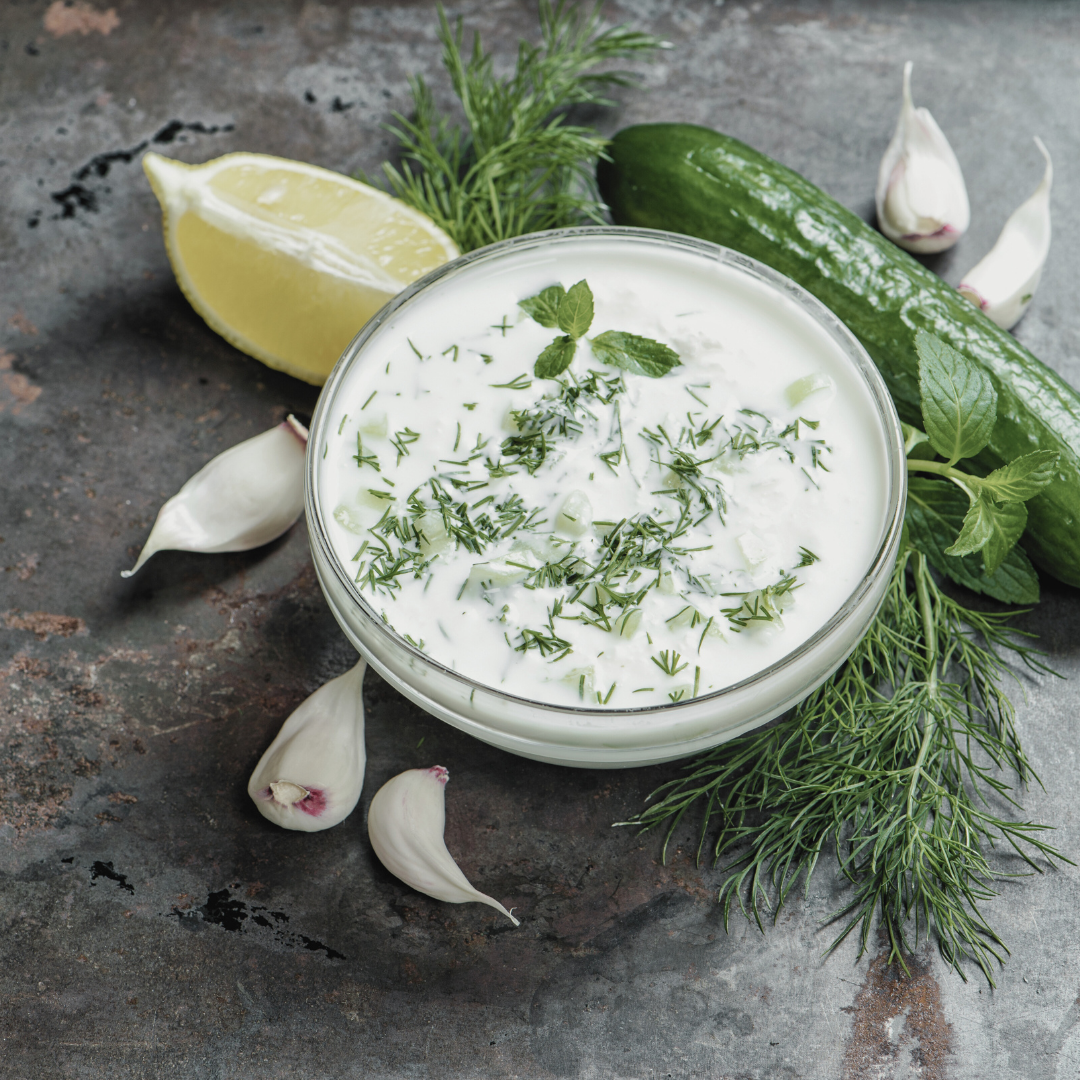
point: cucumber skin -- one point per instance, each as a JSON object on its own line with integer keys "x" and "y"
{"x": 693, "y": 180}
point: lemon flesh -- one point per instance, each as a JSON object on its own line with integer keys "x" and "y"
{"x": 285, "y": 260}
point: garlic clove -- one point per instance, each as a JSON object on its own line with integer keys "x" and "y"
{"x": 311, "y": 775}
{"x": 244, "y": 498}
{"x": 406, "y": 820}
{"x": 922, "y": 202}
{"x": 1004, "y": 281}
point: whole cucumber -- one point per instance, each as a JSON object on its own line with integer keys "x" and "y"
{"x": 693, "y": 180}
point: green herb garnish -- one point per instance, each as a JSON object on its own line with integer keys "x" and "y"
{"x": 640, "y": 355}
{"x": 518, "y": 166}
{"x": 571, "y": 310}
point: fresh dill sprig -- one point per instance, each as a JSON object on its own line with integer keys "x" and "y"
{"x": 517, "y": 166}
{"x": 896, "y": 761}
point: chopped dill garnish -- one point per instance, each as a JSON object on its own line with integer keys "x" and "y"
{"x": 402, "y": 440}
{"x": 363, "y": 459}
{"x": 521, "y": 382}
{"x": 369, "y": 400}
{"x": 668, "y": 662}
{"x": 545, "y": 641}
{"x": 760, "y": 605}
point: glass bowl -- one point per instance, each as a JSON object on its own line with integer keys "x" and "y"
{"x": 605, "y": 737}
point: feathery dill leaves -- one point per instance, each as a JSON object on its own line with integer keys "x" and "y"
{"x": 761, "y": 605}
{"x": 517, "y": 166}
{"x": 898, "y": 762}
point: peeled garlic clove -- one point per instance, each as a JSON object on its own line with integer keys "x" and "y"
{"x": 312, "y": 773}
{"x": 242, "y": 499}
{"x": 406, "y": 820}
{"x": 1004, "y": 281}
{"x": 922, "y": 202}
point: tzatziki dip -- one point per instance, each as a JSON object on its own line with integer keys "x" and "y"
{"x": 603, "y": 482}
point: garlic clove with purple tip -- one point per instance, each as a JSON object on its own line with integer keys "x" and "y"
{"x": 406, "y": 821}
{"x": 243, "y": 498}
{"x": 311, "y": 775}
{"x": 921, "y": 198}
{"x": 1004, "y": 281}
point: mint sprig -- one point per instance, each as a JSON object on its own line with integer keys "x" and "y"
{"x": 959, "y": 408}
{"x": 572, "y": 311}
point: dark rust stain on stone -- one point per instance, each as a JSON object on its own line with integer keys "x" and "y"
{"x": 898, "y": 1022}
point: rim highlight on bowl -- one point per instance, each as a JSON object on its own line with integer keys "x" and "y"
{"x": 604, "y": 737}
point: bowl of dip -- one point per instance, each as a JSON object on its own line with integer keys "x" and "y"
{"x": 672, "y": 538}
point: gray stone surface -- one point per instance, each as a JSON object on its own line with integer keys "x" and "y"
{"x": 153, "y": 923}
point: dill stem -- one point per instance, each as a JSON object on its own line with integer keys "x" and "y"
{"x": 929, "y": 720}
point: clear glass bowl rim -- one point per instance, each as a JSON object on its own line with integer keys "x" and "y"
{"x": 884, "y": 556}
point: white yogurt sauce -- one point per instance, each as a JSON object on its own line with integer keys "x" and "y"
{"x": 749, "y": 481}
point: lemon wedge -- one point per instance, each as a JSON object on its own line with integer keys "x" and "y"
{"x": 285, "y": 260}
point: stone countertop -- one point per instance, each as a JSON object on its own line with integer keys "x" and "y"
{"x": 153, "y": 923}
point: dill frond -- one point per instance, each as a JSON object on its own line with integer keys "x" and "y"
{"x": 516, "y": 166}
{"x": 896, "y": 762}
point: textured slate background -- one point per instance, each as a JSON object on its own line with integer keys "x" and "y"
{"x": 153, "y": 923}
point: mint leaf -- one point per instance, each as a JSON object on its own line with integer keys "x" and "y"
{"x": 916, "y": 444}
{"x": 935, "y": 514}
{"x": 555, "y": 359}
{"x": 1021, "y": 479}
{"x": 991, "y": 529}
{"x": 544, "y": 306}
{"x": 641, "y": 355}
{"x": 959, "y": 402}
{"x": 575, "y": 313}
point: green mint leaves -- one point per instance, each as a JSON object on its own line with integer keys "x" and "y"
{"x": 556, "y": 358}
{"x": 1022, "y": 478}
{"x": 959, "y": 402}
{"x": 991, "y": 529}
{"x": 575, "y": 314}
{"x": 935, "y": 513}
{"x": 641, "y": 355}
{"x": 951, "y": 523}
{"x": 544, "y": 306}
{"x": 571, "y": 311}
